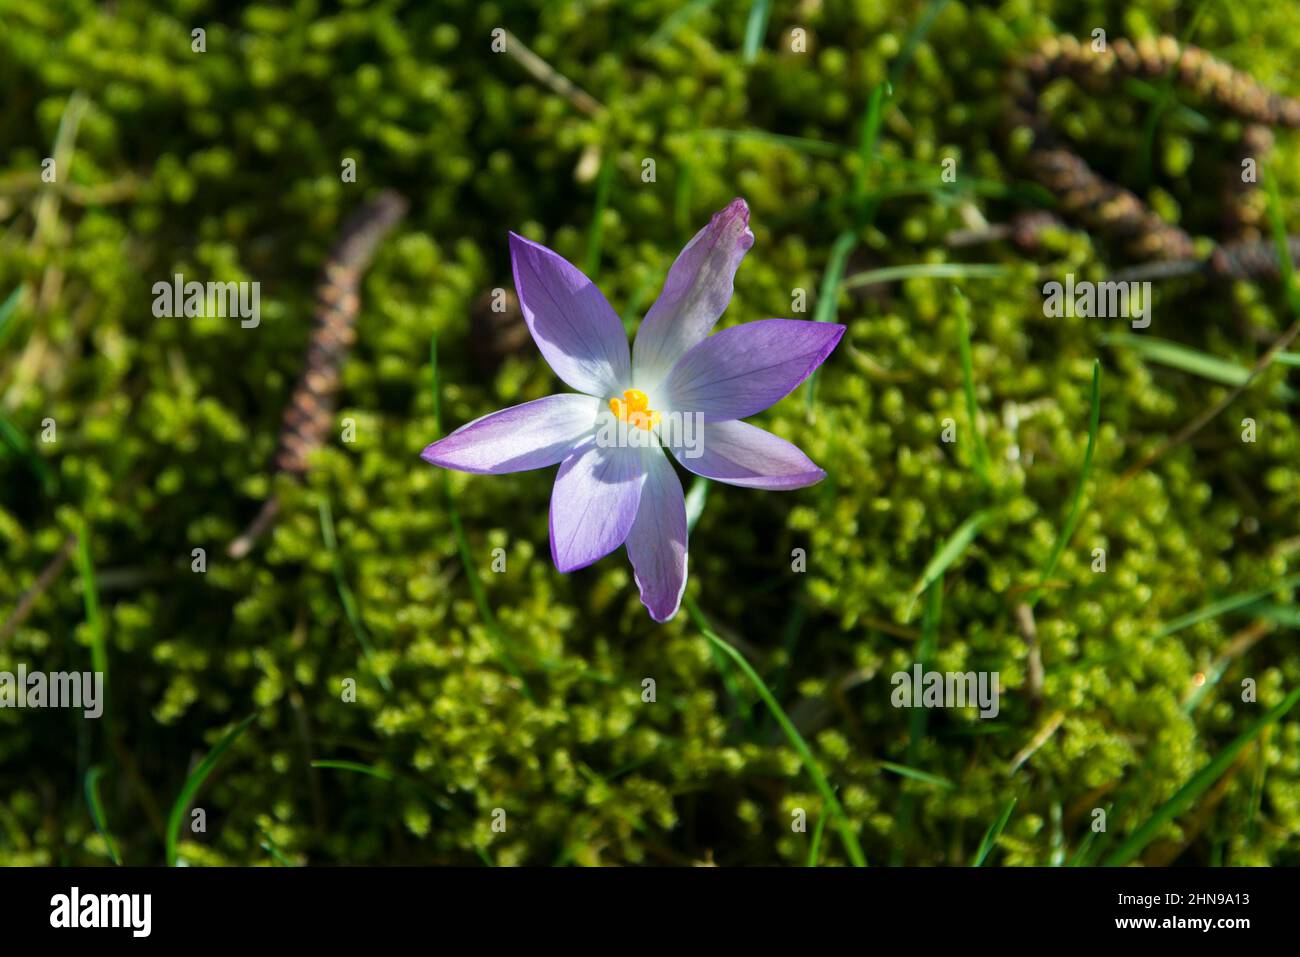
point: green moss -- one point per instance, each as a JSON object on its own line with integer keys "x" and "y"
{"x": 228, "y": 162}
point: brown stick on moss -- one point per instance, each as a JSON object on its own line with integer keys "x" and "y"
{"x": 310, "y": 412}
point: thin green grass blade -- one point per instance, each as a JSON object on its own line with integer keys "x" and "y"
{"x": 596, "y": 234}
{"x": 1257, "y": 788}
{"x": 755, "y": 29}
{"x": 1288, "y": 616}
{"x": 369, "y": 770}
{"x": 97, "y": 812}
{"x": 919, "y": 717}
{"x": 1166, "y": 96}
{"x": 815, "y": 848}
{"x": 1175, "y": 355}
{"x": 992, "y": 834}
{"x": 345, "y": 591}
{"x": 925, "y": 777}
{"x": 696, "y": 499}
{"x": 1197, "y": 785}
{"x": 869, "y": 137}
{"x": 9, "y": 307}
{"x": 951, "y": 550}
{"x": 914, "y": 38}
{"x": 828, "y": 298}
{"x": 802, "y": 144}
{"x": 195, "y": 781}
{"x": 872, "y": 277}
{"x": 850, "y": 840}
{"x": 13, "y": 438}
{"x": 674, "y": 22}
{"x": 381, "y": 774}
{"x": 1285, "y": 262}
{"x": 1080, "y": 856}
{"x": 1076, "y": 503}
{"x": 90, "y": 599}
{"x": 267, "y": 843}
{"x": 1224, "y": 605}
{"x": 968, "y": 386}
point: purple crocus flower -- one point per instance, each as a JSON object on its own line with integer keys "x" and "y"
{"x": 679, "y": 390}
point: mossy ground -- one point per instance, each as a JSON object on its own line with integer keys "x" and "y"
{"x": 225, "y": 165}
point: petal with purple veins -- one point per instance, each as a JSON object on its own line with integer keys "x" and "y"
{"x": 594, "y": 503}
{"x": 742, "y": 454}
{"x": 528, "y": 436}
{"x": 743, "y": 370}
{"x": 574, "y": 326}
{"x": 695, "y": 294}
{"x": 656, "y": 545}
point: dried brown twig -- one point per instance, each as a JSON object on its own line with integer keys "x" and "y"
{"x": 311, "y": 407}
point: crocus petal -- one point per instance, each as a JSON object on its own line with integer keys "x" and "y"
{"x": 594, "y": 503}
{"x": 657, "y": 544}
{"x": 742, "y": 454}
{"x": 574, "y": 326}
{"x": 522, "y": 437}
{"x": 694, "y": 296}
{"x": 745, "y": 369}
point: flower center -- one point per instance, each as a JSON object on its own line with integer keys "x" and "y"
{"x": 634, "y": 409}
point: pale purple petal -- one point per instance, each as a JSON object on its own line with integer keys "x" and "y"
{"x": 594, "y": 503}
{"x": 657, "y": 544}
{"x": 522, "y": 437}
{"x": 745, "y": 369}
{"x": 742, "y": 454}
{"x": 694, "y": 296}
{"x": 577, "y": 331}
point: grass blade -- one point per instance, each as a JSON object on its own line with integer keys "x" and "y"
{"x": 1076, "y": 503}
{"x": 195, "y": 781}
{"x": 1175, "y": 355}
{"x": 801, "y": 143}
{"x": 949, "y": 552}
{"x": 9, "y": 307}
{"x": 1199, "y": 782}
{"x": 97, "y": 812}
{"x": 696, "y": 499}
{"x": 872, "y": 277}
{"x": 992, "y": 834}
{"x": 850, "y": 840}
{"x": 345, "y": 591}
{"x": 968, "y": 386}
{"x": 90, "y": 598}
{"x": 917, "y": 721}
{"x": 22, "y": 447}
{"x": 674, "y": 22}
{"x": 815, "y": 848}
{"x": 596, "y": 236}
{"x": 1223, "y": 606}
{"x": 925, "y": 777}
{"x": 914, "y": 38}
{"x": 369, "y": 770}
{"x": 756, "y": 29}
{"x": 1285, "y": 262}
{"x": 267, "y": 843}
{"x": 869, "y": 136}
{"x": 828, "y": 297}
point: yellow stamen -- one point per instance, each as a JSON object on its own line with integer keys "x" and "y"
{"x": 634, "y": 409}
